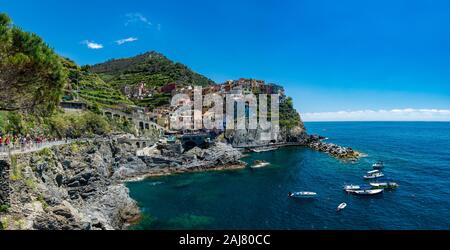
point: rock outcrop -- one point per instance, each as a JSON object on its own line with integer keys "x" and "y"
{"x": 164, "y": 160}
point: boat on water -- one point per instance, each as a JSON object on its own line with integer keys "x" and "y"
{"x": 341, "y": 207}
{"x": 373, "y": 176}
{"x": 260, "y": 164}
{"x": 367, "y": 192}
{"x": 264, "y": 149}
{"x": 385, "y": 185}
{"x": 303, "y": 195}
{"x": 352, "y": 187}
{"x": 378, "y": 165}
{"x": 373, "y": 172}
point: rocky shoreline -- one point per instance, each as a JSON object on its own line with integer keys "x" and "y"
{"x": 183, "y": 171}
{"x": 82, "y": 185}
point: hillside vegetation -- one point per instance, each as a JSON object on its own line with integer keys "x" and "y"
{"x": 289, "y": 117}
{"x": 91, "y": 88}
{"x": 152, "y": 68}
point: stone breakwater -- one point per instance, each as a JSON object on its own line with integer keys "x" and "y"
{"x": 80, "y": 186}
{"x": 337, "y": 151}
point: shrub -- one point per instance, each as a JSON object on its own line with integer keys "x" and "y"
{"x": 95, "y": 124}
{"x": 41, "y": 199}
{"x": 16, "y": 169}
{"x": 4, "y": 208}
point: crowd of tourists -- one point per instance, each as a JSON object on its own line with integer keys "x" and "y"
{"x": 23, "y": 143}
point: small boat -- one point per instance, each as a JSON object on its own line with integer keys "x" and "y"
{"x": 368, "y": 192}
{"x": 373, "y": 172}
{"x": 386, "y": 185}
{"x": 378, "y": 165}
{"x": 260, "y": 164}
{"x": 351, "y": 187}
{"x": 264, "y": 149}
{"x": 373, "y": 176}
{"x": 302, "y": 195}
{"x": 341, "y": 207}
{"x": 156, "y": 183}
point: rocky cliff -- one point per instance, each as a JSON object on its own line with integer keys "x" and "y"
{"x": 80, "y": 186}
{"x": 66, "y": 187}
{"x": 259, "y": 137}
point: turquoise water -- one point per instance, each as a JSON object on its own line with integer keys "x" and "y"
{"x": 416, "y": 154}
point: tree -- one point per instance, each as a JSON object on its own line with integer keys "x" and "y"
{"x": 31, "y": 74}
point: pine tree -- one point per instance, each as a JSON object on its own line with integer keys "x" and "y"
{"x": 31, "y": 74}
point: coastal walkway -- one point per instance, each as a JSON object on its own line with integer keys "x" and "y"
{"x": 7, "y": 151}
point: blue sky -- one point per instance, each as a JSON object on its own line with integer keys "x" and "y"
{"x": 364, "y": 56}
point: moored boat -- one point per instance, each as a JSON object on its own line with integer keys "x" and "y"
{"x": 341, "y": 207}
{"x": 378, "y": 165}
{"x": 368, "y": 192}
{"x": 373, "y": 176}
{"x": 260, "y": 164}
{"x": 351, "y": 187}
{"x": 303, "y": 195}
{"x": 386, "y": 185}
{"x": 373, "y": 172}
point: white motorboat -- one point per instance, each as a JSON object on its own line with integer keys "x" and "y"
{"x": 374, "y": 176}
{"x": 368, "y": 192}
{"x": 386, "y": 185}
{"x": 373, "y": 172}
{"x": 351, "y": 187}
{"x": 260, "y": 164}
{"x": 378, "y": 165}
{"x": 341, "y": 207}
{"x": 303, "y": 195}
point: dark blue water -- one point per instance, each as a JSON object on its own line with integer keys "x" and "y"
{"x": 416, "y": 154}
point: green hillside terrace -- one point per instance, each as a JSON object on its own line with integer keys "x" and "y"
{"x": 94, "y": 90}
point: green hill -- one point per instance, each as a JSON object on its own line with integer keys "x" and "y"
{"x": 152, "y": 68}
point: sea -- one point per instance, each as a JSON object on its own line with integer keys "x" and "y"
{"x": 416, "y": 155}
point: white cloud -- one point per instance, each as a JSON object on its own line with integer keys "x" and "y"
{"x": 92, "y": 45}
{"x": 126, "y": 40}
{"x": 381, "y": 115}
{"x": 135, "y": 18}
